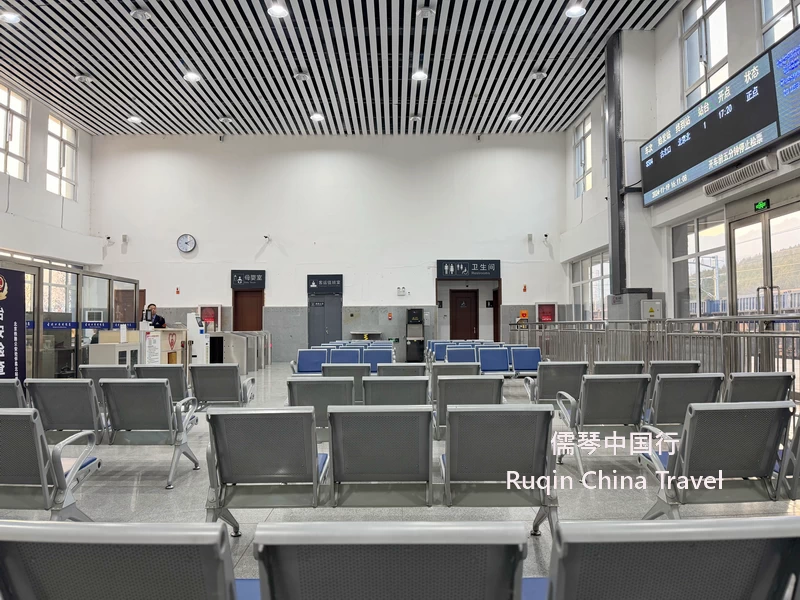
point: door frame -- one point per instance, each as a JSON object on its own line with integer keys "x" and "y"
{"x": 473, "y": 292}
{"x": 766, "y": 250}
{"x": 233, "y": 308}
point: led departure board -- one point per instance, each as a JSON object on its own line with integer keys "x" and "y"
{"x": 753, "y": 109}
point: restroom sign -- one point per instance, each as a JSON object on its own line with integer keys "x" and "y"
{"x": 468, "y": 269}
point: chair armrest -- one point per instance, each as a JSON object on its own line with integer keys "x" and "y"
{"x": 528, "y": 384}
{"x": 248, "y": 385}
{"x": 567, "y": 414}
{"x": 213, "y": 475}
{"x": 293, "y": 364}
{"x": 183, "y": 423}
{"x": 654, "y": 430}
{"x": 65, "y": 482}
{"x": 657, "y": 433}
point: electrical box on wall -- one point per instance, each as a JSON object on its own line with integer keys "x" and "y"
{"x": 546, "y": 312}
{"x": 651, "y": 309}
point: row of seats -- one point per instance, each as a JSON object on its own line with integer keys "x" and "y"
{"x": 339, "y": 387}
{"x": 309, "y": 362}
{"x": 707, "y": 558}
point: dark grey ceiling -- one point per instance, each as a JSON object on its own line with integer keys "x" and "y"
{"x": 479, "y": 54}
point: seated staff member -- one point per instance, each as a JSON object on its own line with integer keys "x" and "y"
{"x": 157, "y": 320}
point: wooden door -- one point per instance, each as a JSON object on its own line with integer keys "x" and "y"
{"x": 496, "y": 313}
{"x": 248, "y": 310}
{"x": 142, "y": 300}
{"x": 463, "y": 314}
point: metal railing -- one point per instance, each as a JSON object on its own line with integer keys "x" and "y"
{"x": 742, "y": 344}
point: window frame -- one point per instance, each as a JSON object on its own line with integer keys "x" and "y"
{"x": 578, "y": 284}
{"x": 792, "y": 7}
{"x": 702, "y": 27}
{"x": 695, "y": 257}
{"x": 25, "y": 118}
{"x": 579, "y": 155}
{"x": 63, "y": 143}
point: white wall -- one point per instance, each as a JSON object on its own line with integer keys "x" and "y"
{"x": 585, "y": 219}
{"x": 379, "y": 210}
{"x": 34, "y": 221}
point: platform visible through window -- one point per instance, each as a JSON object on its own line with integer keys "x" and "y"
{"x": 62, "y": 158}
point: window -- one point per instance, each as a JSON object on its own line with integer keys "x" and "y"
{"x": 591, "y": 286}
{"x": 705, "y": 48}
{"x": 583, "y": 156}
{"x": 62, "y": 158}
{"x": 699, "y": 268}
{"x": 13, "y": 132}
{"x": 778, "y": 17}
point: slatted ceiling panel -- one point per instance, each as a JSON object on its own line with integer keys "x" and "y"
{"x": 480, "y": 57}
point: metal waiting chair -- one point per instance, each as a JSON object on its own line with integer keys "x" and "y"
{"x": 141, "y": 413}
{"x": 309, "y": 361}
{"x": 359, "y": 372}
{"x": 704, "y": 558}
{"x": 34, "y": 477}
{"x": 175, "y": 374}
{"x": 741, "y": 442}
{"x": 49, "y": 561}
{"x": 262, "y": 458}
{"x": 759, "y": 387}
{"x": 464, "y": 389}
{"x": 346, "y": 356}
{"x": 381, "y": 455}
{"x": 554, "y": 377}
{"x": 12, "y": 394}
{"x": 455, "y": 354}
{"x": 525, "y": 361}
{"x": 485, "y": 443}
{"x": 221, "y": 384}
{"x": 395, "y": 390}
{"x": 98, "y": 372}
{"x": 674, "y": 392}
{"x": 660, "y": 367}
{"x": 401, "y": 369}
{"x": 438, "y": 369}
{"x": 603, "y": 400}
{"x": 495, "y": 361}
{"x": 67, "y": 405}
{"x": 320, "y": 393}
{"x": 374, "y": 356}
{"x": 391, "y": 560}
{"x": 618, "y": 367}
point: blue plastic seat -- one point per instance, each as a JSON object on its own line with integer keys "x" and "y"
{"x": 493, "y": 360}
{"x": 322, "y": 458}
{"x": 373, "y": 356}
{"x": 346, "y": 356}
{"x": 457, "y": 354}
{"x": 310, "y": 361}
{"x": 440, "y": 350}
{"x": 525, "y": 360}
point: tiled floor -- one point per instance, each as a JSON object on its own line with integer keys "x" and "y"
{"x": 130, "y": 488}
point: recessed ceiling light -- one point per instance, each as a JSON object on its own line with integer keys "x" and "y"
{"x": 317, "y": 117}
{"x": 426, "y": 12}
{"x": 10, "y": 17}
{"x": 514, "y": 117}
{"x": 84, "y": 78}
{"x": 22, "y": 257}
{"x": 226, "y": 120}
{"x": 302, "y": 76}
{"x": 278, "y": 10}
{"x": 575, "y": 10}
{"x": 5, "y": 253}
{"x": 537, "y": 75}
{"x": 192, "y": 77}
{"x": 141, "y": 15}
{"x": 419, "y": 75}
{"x": 135, "y": 120}
{"x": 415, "y": 119}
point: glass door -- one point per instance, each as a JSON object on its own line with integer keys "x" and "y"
{"x": 60, "y": 324}
{"x": 31, "y": 273}
{"x": 766, "y": 257}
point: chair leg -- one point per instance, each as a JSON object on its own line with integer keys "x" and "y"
{"x": 69, "y": 513}
{"x": 176, "y": 455}
{"x": 187, "y": 452}
{"x": 225, "y": 515}
{"x": 579, "y": 461}
{"x": 541, "y": 515}
{"x": 211, "y": 515}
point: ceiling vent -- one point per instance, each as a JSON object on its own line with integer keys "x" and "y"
{"x": 789, "y": 154}
{"x": 762, "y": 166}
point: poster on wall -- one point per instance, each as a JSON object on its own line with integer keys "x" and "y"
{"x": 12, "y": 324}
{"x": 152, "y": 348}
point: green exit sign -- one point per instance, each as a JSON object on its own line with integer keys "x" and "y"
{"x": 761, "y": 205}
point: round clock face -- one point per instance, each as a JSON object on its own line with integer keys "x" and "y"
{"x": 186, "y": 243}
